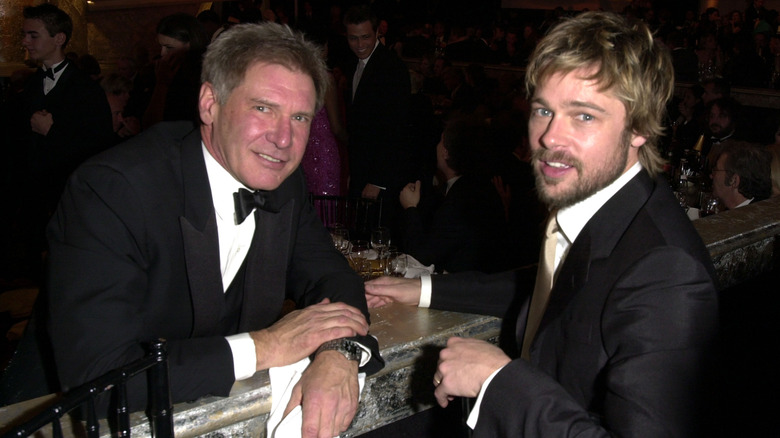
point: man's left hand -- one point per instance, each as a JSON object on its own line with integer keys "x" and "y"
{"x": 464, "y": 366}
{"x": 41, "y": 122}
{"x": 328, "y": 393}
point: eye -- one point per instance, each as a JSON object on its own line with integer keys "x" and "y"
{"x": 261, "y": 109}
{"x": 301, "y": 118}
{"x": 586, "y": 117}
{"x": 542, "y": 112}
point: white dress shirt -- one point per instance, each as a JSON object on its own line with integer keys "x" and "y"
{"x": 48, "y": 83}
{"x": 234, "y": 242}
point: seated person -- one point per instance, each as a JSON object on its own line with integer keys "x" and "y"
{"x": 464, "y": 233}
{"x": 617, "y": 330}
{"x": 741, "y": 174}
{"x": 146, "y": 244}
{"x": 118, "y": 90}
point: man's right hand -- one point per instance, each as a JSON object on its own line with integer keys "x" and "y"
{"x": 299, "y": 333}
{"x": 385, "y": 290}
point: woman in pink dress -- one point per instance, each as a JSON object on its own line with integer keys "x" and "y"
{"x": 322, "y": 161}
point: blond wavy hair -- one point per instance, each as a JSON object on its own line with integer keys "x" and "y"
{"x": 627, "y": 61}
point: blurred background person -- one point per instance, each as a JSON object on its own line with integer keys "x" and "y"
{"x": 182, "y": 42}
{"x": 741, "y": 174}
{"x": 465, "y": 230}
{"x": 117, "y": 89}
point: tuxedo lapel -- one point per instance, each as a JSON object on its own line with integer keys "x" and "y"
{"x": 62, "y": 83}
{"x": 595, "y": 243}
{"x": 199, "y": 233}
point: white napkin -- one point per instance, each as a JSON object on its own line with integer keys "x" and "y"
{"x": 283, "y": 380}
{"x": 414, "y": 269}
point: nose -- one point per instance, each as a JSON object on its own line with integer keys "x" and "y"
{"x": 552, "y": 133}
{"x": 281, "y": 133}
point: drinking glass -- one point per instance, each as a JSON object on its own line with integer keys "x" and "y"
{"x": 340, "y": 237}
{"x": 358, "y": 258}
{"x": 682, "y": 199}
{"x": 710, "y": 204}
{"x": 395, "y": 264}
{"x": 380, "y": 240}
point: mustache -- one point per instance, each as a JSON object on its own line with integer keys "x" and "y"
{"x": 559, "y": 156}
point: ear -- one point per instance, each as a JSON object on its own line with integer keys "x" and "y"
{"x": 637, "y": 140}
{"x": 734, "y": 181}
{"x": 207, "y": 103}
{"x": 59, "y": 38}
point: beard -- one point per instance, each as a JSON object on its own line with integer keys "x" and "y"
{"x": 588, "y": 181}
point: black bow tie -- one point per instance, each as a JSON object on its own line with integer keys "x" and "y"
{"x": 247, "y": 201}
{"x": 49, "y": 73}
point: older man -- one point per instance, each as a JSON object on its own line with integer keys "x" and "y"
{"x": 742, "y": 174}
{"x": 615, "y": 335}
{"x": 148, "y": 243}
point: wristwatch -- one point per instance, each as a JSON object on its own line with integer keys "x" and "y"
{"x": 350, "y": 349}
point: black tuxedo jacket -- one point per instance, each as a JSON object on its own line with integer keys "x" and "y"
{"x": 622, "y": 347}
{"x": 377, "y": 122}
{"x": 82, "y": 126}
{"x": 465, "y": 232}
{"x": 135, "y": 256}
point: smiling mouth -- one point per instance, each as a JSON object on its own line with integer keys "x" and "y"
{"x": 557, "y": 165}
{"x": 270, "y": 158}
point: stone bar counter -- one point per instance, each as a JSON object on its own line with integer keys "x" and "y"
{"x": 742, "y": 243}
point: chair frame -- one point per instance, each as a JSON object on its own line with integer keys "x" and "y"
{"x": 160, "y": 407}
{"x": 359, "y": 215}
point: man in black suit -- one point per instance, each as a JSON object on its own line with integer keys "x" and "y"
{"x": 465, "y": 230}
{"x": 66, "y": 112}
{"x": 60, "y": 118}
{"x": 147, "y": 243}
{"x": 378, "y": 97}
{"x": 616, "y": 335}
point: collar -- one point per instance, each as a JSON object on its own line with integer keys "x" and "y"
{"x": 450, "y": 182}
{"x": 365, "y": 61}
{"x": 572, "y": 219}
{"x": 716, "y": 140}
{"x": 745, "y": 202}
{"x": 223, "y": 185}
{"x": 55, "y": 69}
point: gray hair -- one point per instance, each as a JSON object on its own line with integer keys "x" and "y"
{"x": 231, "y": 54}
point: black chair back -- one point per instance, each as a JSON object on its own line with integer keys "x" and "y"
{"x": 160, "y": 407}
{"x": 358, "y": 215}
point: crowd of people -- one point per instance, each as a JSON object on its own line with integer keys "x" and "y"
{"x": 470, "y": 168}
{"x": 373, "y": 140}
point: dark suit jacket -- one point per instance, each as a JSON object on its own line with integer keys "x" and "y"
{"x": 621, "y": 349}
{"x": 465, "y": 231}
{"x": 135, "y": 256}
{"x": 82, "y": 127}
{"x": 377, "y": 119}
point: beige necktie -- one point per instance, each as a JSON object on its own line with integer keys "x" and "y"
{"x": 358, "y": 75}
{"x": 544, "y": 281}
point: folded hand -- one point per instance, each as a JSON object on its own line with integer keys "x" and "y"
{"x": 464, "y": 366}
{"x": 301, "y": 332}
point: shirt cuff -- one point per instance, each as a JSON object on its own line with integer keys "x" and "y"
{"x": 244, "y": 355}
{"x": 366, "y": 356}
{"x": 426, "y": 289}
{"x": 474, "y": 415}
